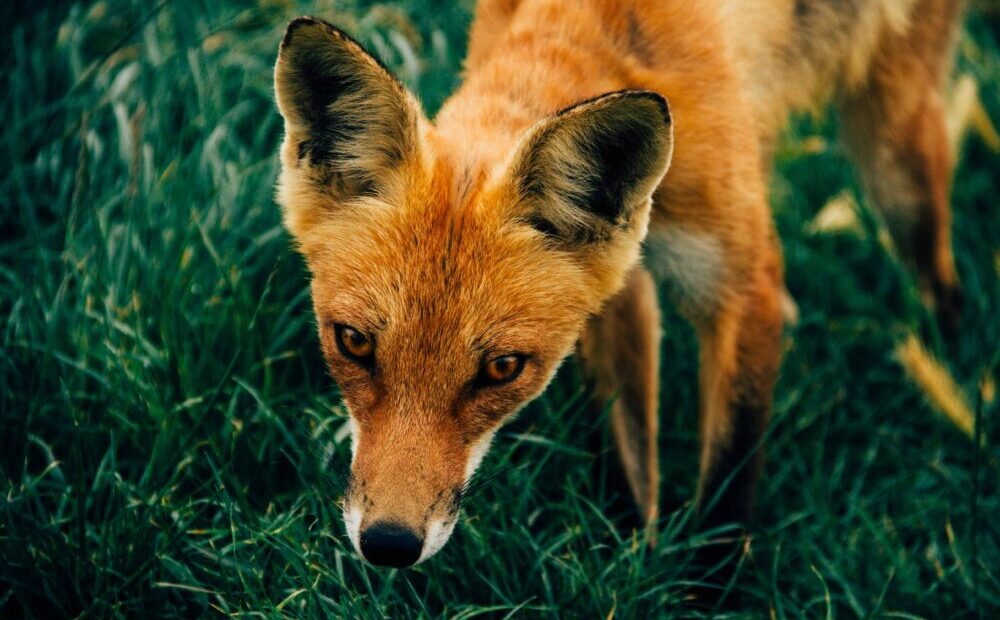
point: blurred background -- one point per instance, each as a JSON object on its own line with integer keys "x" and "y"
{"x": 172, "y": 446}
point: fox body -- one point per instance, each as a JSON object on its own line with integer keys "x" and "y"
{"x": 455, "y": 264}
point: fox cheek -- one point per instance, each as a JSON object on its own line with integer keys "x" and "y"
{"x": 352, "y": 524}
{"x": 476, "y": 454}
{"x": 355, "y": 430}
{"x": 438, "y": 533}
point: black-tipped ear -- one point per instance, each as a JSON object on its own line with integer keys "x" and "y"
{"x": 349, "y": 120}
{"x": 590, "y": 169}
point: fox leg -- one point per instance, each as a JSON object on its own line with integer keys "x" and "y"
{"x": 740, "y": 350}
{"x": 894, "y": 125}
{"x": 620, "y": 350}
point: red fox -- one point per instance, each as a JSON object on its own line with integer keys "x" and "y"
{"x": 456, "y": 263}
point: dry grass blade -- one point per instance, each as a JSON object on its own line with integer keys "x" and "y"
{"x": 936, "y": 383}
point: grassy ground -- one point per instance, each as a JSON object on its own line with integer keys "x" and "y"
{"x": 172, "y": 446}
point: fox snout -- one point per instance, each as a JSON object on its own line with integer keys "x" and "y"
{"x": 394, "y": 543}
{"x": 405, "y": 491}
{"x": 389, "y": 534}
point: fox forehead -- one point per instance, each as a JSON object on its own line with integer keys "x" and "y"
{"x": 441, "y": 256}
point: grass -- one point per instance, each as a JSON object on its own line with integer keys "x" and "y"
{"x": 172, "y": 446}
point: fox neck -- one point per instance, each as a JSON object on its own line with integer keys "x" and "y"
{"x": 549, "y": 56}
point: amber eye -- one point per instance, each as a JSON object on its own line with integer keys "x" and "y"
{"x": 503, "y": 369}
{"x": 355, "y": 345}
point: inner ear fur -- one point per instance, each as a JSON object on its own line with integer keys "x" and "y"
{"x": 590, "y": 169}
{"x": 348, "y": 121}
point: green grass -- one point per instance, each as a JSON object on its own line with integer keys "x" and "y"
{"x": 171, "y": 445}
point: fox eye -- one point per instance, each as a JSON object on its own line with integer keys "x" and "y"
{"x": 355, "y": 345}
{"x": 502, "y": 369}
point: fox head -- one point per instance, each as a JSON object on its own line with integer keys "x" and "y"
{"x": 446, "y": 296}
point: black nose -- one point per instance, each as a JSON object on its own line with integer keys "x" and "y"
{"x": 389, "y": 544}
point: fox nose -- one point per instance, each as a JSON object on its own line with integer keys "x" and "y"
{"x": 389, "y": 544}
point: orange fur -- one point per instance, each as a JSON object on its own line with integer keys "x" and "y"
{"x": 517, "y": 216}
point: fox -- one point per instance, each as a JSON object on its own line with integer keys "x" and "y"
{"x": 454, "y": 264}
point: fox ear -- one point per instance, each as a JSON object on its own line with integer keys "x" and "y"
{"x": 350, "y": 125}
{"x": 590, "y": 171}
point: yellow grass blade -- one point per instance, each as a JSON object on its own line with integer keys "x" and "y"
{"x": 965, "y": 112}
{"x": 839, "y": 214}
{"x": 937, "y": 384}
